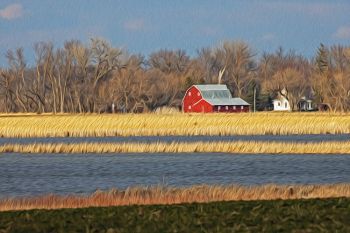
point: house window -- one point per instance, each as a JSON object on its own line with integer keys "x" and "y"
{"x": 285, "y": 104}
{"x": 189, "y": 93}
{"x": 234, "y": 107}
{"x": 226, "y": 107}
{"x": 189, "y": 107}
{"x": 279, "y": 103}
{"x": 219, "y": 108}
{"x": 242, "y": 107}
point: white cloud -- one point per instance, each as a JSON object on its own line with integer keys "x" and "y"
{"x": 12, "y": 11}
{"x": 134, "y": 25}
{"x": 342, "y": 33}
{"x": 268, "y": 37}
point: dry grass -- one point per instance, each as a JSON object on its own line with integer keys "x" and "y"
{"x": 168, "y": 195}
{"x": 93, "y": 125}
{"x": 242, "y": 147}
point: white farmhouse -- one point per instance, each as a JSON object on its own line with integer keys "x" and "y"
{"x": 281, "y": 103}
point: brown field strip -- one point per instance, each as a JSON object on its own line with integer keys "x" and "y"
{"x": 93, "y": 125}
{"x": 239, "y": 147}
{"x": 170, "y": 195}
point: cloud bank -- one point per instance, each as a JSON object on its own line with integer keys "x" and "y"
{"x": 12, "y": 11}
{"x": 342, "y": 32}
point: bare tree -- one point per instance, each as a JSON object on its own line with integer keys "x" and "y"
{"x": 104, "y": 60}
{"x": 7, "y": 82}
{"x": 169, "y": 61}
{"x": 17, "y": 69}
{"x": 80, "y": 82}
{"x": 237, "y": 57}
{"x": 44, "y": 63}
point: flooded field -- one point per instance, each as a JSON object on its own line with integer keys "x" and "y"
{"x": 141, "y": 139}
{"x": 27, "y": 175}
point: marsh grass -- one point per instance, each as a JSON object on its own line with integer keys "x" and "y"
{"x": 239, "y": 147}
{"x": 171, "y": 195}
{"x": 93, "y": 125}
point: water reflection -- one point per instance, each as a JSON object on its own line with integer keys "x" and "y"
{"x": 84, "y": 173}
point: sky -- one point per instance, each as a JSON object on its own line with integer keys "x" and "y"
{"x": 145, "y": 26}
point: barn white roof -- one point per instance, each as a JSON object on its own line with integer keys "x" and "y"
{"x": 217, "y": 94}
{"x": 211, "y": 87}
{"x": 229, "y": 101}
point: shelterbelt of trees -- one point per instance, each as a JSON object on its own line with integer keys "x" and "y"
{"x": 97, "y": 77}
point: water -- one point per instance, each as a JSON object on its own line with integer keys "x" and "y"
{"x": 27, "y": 175}
{"x": 293, "y": 138}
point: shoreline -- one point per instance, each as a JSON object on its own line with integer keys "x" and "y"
{"x": 237, "y": 147}
{"x": 163, "y": 195}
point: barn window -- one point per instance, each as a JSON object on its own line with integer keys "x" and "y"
{"x": 198, "y": 94}
{"x": 189, "y": 93}
{"x": 189, "y": 107}
{"x": 234, "y": 107}
{"x": 226, "y": 107}
{"x": 219, "y": 108}
{"x": 242, "y": 107}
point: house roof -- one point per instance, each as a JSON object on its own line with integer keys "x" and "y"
{"x": 280, "y": 97}
{"x": 304, "y": 99}
{"x": 217, "y": 94}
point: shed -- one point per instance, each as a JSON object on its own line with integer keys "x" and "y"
{"x": 212, "y": 98}
{"x": 323, "y": 107}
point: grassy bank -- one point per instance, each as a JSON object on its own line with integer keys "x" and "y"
{"x": 314, "y": 215}
{"x": 172, "y": 124}
{"x": 241, "y": 147}
{"x": 168, "y": 195}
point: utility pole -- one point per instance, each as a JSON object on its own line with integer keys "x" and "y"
{"x": 254, "y": 98}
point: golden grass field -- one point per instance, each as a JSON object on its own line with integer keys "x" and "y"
{"x": 239, "y": 147}
{"x": 168, "y": 195}
{"x": 93, "y": 125}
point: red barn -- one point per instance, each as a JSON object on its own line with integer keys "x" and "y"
{"x": 212, "y": 98}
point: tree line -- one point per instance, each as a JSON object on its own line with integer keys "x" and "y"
{"x": 98, "y": 77}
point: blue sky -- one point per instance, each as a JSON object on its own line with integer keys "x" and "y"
{"x": 149, "y": 25}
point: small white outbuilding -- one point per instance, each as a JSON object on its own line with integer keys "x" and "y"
{"x": 305, "y": 104}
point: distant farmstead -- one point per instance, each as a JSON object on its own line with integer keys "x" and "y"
{"x": 212, "y": 98}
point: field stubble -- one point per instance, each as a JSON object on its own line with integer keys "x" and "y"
{"x": 92, "y": 125}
